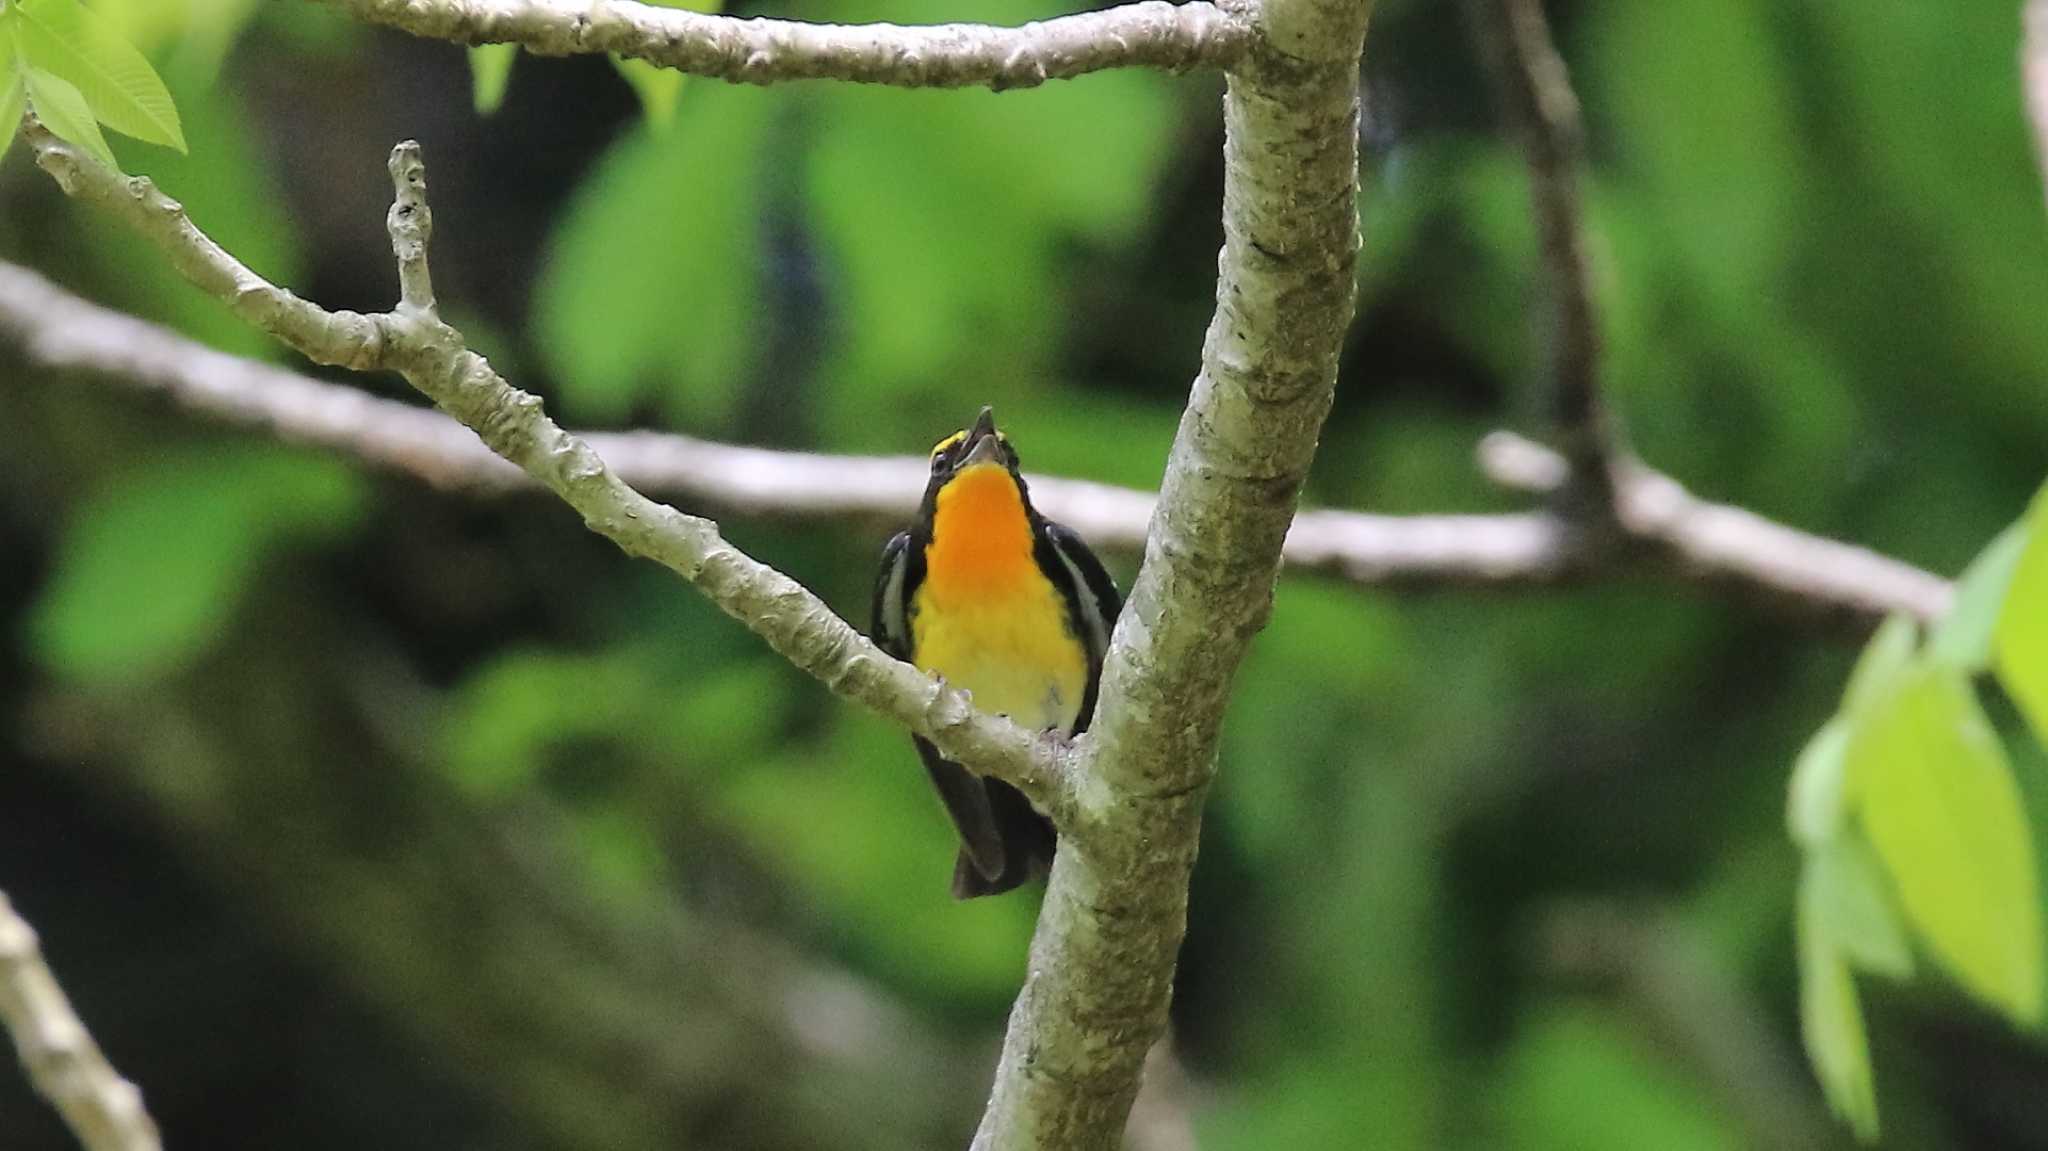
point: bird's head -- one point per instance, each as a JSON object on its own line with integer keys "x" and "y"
{"x": 976, "y": 499}
{"x": 980, "y": 446}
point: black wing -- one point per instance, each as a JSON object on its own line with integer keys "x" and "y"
{"x": 1003, "y": 840}
{"x": 889, "y": 619}
{"x": 1093, "y": 604}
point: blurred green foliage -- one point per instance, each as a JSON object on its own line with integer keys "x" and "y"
{"x": 147, "y": 573}
{"x": 335, "y": 698}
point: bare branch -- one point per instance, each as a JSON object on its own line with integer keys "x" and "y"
{"x": 1536, "y": 96}
{"x": 54, "y": 329}
{"x": 2034, "y": 73}
{"x": 1152, "y": 34}
{"x": 1115, "y": 910}
{"x": 104, "y": 1110}
{"x": 431, "y": 355}
{"x": 1726, "y": 545}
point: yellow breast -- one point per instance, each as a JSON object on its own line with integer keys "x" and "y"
{"x": 985, "y": 618}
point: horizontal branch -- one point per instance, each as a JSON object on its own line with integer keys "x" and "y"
{"x": 412, "y": 341}
{"x": 54, "y": 329}
{"x": 51, "y": 328}
{"x": 102, "y": 1109}
{"x": 1720, "y": 544}
{"x": 1151, "y": 34}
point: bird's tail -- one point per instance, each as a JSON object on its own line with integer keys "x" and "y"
{"x": 1027, "y": 840}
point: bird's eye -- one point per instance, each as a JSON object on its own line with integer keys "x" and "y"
{"x": 944, "y": 446}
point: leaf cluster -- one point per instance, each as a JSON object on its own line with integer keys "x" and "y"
{"x": 1911, "y": 819}
{"x": 76, "y": 71}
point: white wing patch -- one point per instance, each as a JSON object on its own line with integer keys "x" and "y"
{"x": 1093, "y": 610}
{"x": 894, "y": 627}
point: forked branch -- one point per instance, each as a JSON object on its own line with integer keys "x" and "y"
{"x": 412, "y": 341}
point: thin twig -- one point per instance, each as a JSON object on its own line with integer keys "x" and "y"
{"x": 102, "y": 1109}
{"x": 1152, "y": 34}
{"x": 53, "y": 329}
{"x": 413, "y": 342}
{"x": 1536, "y": 97}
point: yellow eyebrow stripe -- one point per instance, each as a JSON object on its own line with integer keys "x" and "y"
{"x": 947, "y": 443}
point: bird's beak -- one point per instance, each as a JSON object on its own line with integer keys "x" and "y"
{"x": 982, "y": 445}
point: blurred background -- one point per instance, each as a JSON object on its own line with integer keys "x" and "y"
{"x": 354, "y": 814}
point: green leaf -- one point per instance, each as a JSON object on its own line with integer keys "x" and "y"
{"x": 649, "y": 288}
{"x": 2022, "y": 633}
{"x": 1937, "y": 797}
{"x": 490, "y": 70}
{"x": 116, "y": 81}
{"x": 10, "y": 61}
{"x": 1844, "y": 888}
{"x": 916, "y": 204}
{"x": 150, "y": 570}
{"x": 659, "y": 88}
{"x": 1831, "y": 1022}
{"x": 1964, "y": 636}
{"x": 1884, "y": 659}
{"x": 13, "y": 95}
{"x": 64, "y": 111}
{"x": 1814, "y": 812}
{"x": 189, "y": 38}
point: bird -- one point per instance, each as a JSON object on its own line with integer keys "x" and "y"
{"x": 991, "y": 597}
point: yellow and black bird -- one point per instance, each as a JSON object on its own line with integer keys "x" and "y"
{"x": 992, "y": 597}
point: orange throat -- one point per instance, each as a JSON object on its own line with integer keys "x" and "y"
{"x": 986, "y": 618}
{"x": 981, "y": 536}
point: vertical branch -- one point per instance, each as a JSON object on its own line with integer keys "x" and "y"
{"x": 1102, "y": 961}
{"x": 1536, "y": 97}
{"x": 104, "y": 1110}
{"x": 411, "y": 224}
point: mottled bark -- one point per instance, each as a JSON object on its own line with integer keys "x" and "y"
{"x": 1102, "y": 962}
{"x": 1153, "y": 34}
